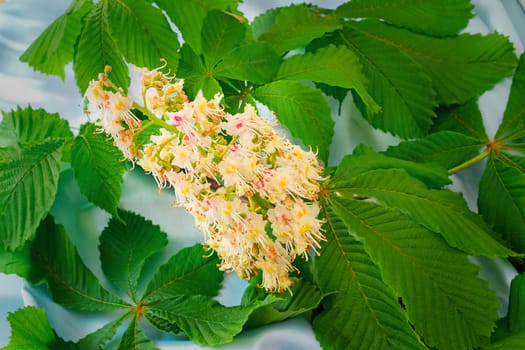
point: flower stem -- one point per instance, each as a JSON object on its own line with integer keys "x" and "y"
{"x": 470, "y": 162}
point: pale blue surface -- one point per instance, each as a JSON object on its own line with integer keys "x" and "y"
{"x": 22, "y": 20}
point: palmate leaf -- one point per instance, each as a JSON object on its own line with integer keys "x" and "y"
{"x": 365, "y": 159}
{"x": 54, "y": 48}
{"x": 30, "y": 329}
{"x": 125, "y": 245}
{"x": 397, "y": 84}
{"x": 364, "y": 312}
{"x": 303, "y": 297}
{"x": 135, "y": 339}
{"x": 256, "y": 62}
{"x": 429, "y": 276}
{"x": 421, "y": 16}
{"x": 446, "y": 148}
{"x": 501, "y": 198}
{"x": 512, "y": 126}
{"x": 465, "y": 119}
{"x": 221, "y": 34}
{"x": 297, "y": 25}
{"x": 142, "y": 33}
{"x": 440, "y": 211}
{"x": 196, "y": 76}
{"x": 96, "y": 49}
{"x": 71, "y": 283}
{"x": 28, "y": 185}
{"x": 98, "y": 168}
{"x": 203, "y": 319}
{"x": 189, "y": 17}
{"x": 303, "y": 110}
{"x": 187, "y": 272}
{"x": 461, "y": 67}
{"x": 27, "y": 125}
{"x": 336, "y": 66}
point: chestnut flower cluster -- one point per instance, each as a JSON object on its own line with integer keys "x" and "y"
{"x": 251, "y": 191}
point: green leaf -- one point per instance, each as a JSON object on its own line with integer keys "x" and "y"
{"x": 501, "y": 198}
{"x": 465, "y": 119}
{"x": 28, "y": 185}
{"x": 364, "y": 312}
{"x": 142, "y": 33}
{"x": 189, "y": 16}
{"x": 70, "y": 282}
{"x": 98, "y": 168}
{"x": 365, "y": 159}
{"x": 54, "y": 48}
{"x": 31, "y": 125}
{"x": 256, "y": 62}
{"x": 96, "y": 49}
{"x": 513, "y": 342}
{"x": 304, "y": 297}
{"x": 441, "y": 211}
{"x": 429, "y": 276}
{"x": 264, "y": 22}
{"x": 16, "y": 262}
{"x": 516, "y": 312}
{"x": 420, "y": 16}
{"x": 30, "y": 329}
{"x": 187, "y": 272}
{"x": 125, "y": 245}
{"x": 297, "y": 25}
{"x": 164, "y": 325}
{"x": 446, "y": 148}
{"x": 221, "y": 34}
{"x": 513, "y": 125}
{"x": 303, "y": 110}
{"x": 399, "y": 85}
{"x": 102, "y": 336}
{"x": 135, "y": 339}
{"x": 203, "y": 319}
{"x": 461, "y": 67}
{"x": 336, "y": 66}
{"x": 196, "y": 76}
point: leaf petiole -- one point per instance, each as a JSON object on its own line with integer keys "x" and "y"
{"x": 470, "y": 162}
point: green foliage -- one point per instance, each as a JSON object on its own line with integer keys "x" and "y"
{"x": 302, "y": 298}
{"x": 426, "y": 273}
{"x": 30, "y": 330}
{"x": 28, "y": 186}
{"x": 28, "y": 125}
{"x": 297, "y": 25}
{"x": 393, "y": 271}
{"x": 71, "y": 283}
{"x": 421, "y": 16}
{"x": 16, "y": 262}
{"x": 123, "y": 252}
{"x": 303, "y": 110}
{"x": 364, "y": 312}
{"x": 501, "y": 192}
{"x": 98, "y": 168}
{"x": 54, "y": 48}
{"x": 203, "y": 319}
{"x": 189, "y": 271}
{"x": 142, "y": 33}
{"x": 96, "y": 49}
{"x": 460, "y": 67}
{"x": 335, "y": 66}
{"x": 399, "y": 85}
{"x": 189, "y": 17}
